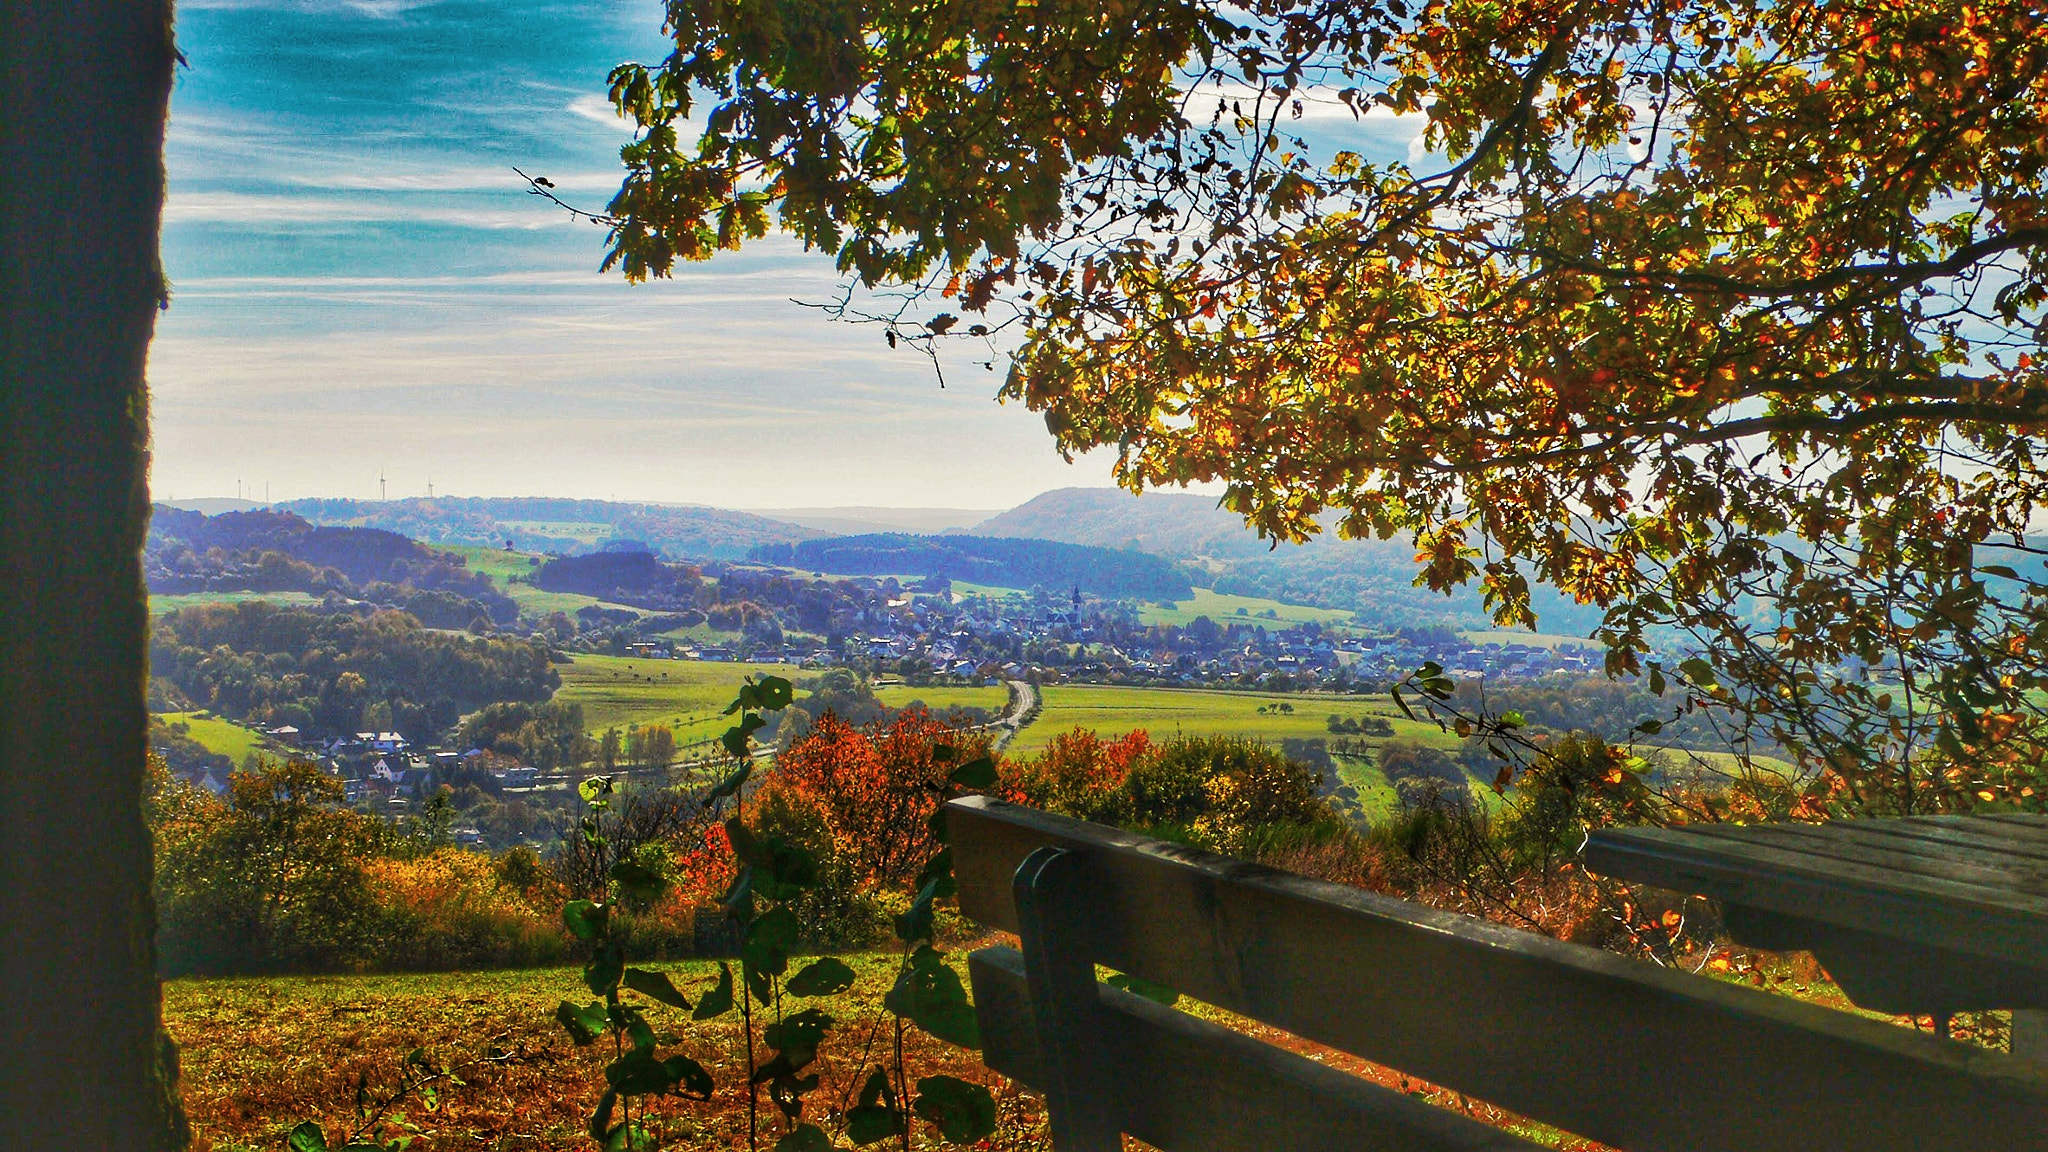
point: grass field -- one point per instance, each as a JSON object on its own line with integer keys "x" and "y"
{"x": 1533, "y": 639}
{"x": 1223, "y": 609}
{"x": 686, "y": 695}
{"x": 939, "y": 699}
{"x": 170, "y": 602}
{"x": 502, "y": 565}
{"x": 223, "y": 736}
{"x": 1166, "y": 712}
{"x": 259, "y": 1055}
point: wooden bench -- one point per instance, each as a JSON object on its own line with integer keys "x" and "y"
{"x": 1634, "y": 1056}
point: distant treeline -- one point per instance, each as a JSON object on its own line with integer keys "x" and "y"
{"x": 537, "y": 523}
{"x": 1005, "y": 561}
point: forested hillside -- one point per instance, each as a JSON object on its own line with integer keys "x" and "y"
{"x": 541, "y": 524}
{"x": 991, "y": 560}
{"x": 270, "y": 551}
{"x": 333, "y": 673}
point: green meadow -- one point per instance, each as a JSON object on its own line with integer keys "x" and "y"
{"x": 1167, "y": 712}
{"x": 1224, "y": 609}
{"x": 223, "y": 736}
{"x": 939, "y": 699}
{"x": 502, "y": 566}
{"x": 689, "y": 696}
{"x": 171, "y": 602}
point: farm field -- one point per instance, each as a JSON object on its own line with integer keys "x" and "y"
{"x": 222, "y": 736}
{"x": 1224, "y": 609}
{"x": 501, "y": 566}
{"x": 1532, "y": 639}
{"x": 159, "y": 604}
{"x": 1166, "y": 712}
{"x": 687, "y": 695}
{"x": 938, "y": 699}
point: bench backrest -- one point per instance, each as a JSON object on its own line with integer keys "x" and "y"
{"x": 1634, "y": 1056}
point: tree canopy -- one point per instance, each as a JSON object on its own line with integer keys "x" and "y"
{"x": 1725, "y": 317}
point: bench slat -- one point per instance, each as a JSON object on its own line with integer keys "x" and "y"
{"x": 1621, "y": 1052}
{"x": 1192, "y": 1086}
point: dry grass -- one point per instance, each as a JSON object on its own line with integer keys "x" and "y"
{"x": 261, "y": 1054}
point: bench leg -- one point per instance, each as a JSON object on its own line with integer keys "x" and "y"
{"x": 1052, "y": 918}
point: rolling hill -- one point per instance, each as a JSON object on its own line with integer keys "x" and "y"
{"x": 546, "y": 524}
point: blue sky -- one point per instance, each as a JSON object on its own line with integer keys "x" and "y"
{"x": 360, "y": 284}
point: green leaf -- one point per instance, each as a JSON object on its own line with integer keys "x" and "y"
{"x": 878, "y": 1089}
{"x": 870, "y": 1123}
{"x": 979, "y": 772}
{"x": 730, "y": 784}
{"x": 736, "y": 737}
{"x": 656, "y": 987}
{"x": 760, "y": 984}
{"x": 805, "y": 1138}
{"x": 602, "y": 974}
{"x": 718, "y": 1001}
{"x": 638, "y": 1073}
{"x": 1512, "y": 719}
{"x": 930, "y": 995}
{"x": 799, "y": 1034}
{"x": 600, "y": 1124}
{"x": 1656, "y": 680}
{"x": 769, "y": 940}
{"x": 916, "y": 923}
{"x": 1138, "y": 986}
{"x": 939, "y": 868}
{"x": 307, "y": 1137}
{"x": 936, "y": 822}
{"x": 583, "y": 1024}
{"x": 769, "y": 694}
{"x": 962, "y": 1112}
{"x": 944, "y": 753}
{"x": 586, "y": 920}
{"x": 637, "y": 881}
{"x": 1402, "y": 704}
{"x": 825, "y": 977}
{"x": 691, "y": 1078}
{"x": 1699, "y": 672}
{"x": 594, "y": 789}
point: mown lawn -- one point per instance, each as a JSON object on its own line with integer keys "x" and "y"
{"x": 686, "y": 695}
{"x": 223, "y": 736}
{"x": 1224, "y": 610}
{"x": 1167, "y": 712}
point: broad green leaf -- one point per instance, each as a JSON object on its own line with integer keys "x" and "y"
{"x": 718, "y": 1001}
{"x": 979, "y": 772}
{"x": 602, "y": 974}
{"x": 600, "y": 1124}
{"x": 825, "y": 977}
{"x": 939, "y": 868}
{"x": 594, "y": 788}
{"x": 655, "y": 986}
{"x": 583, "y": 1024}
{"x": 799, "y": 1035}
{"x": 736, "y": 737}
{"x": 962, "y": 1112}
{"x": 1699, "y": 672}
{"x": 929, "y": 994}
{"x": 586, "y": 920}
{"x": 307, "y": 1137}
{"x": 869, "y": 1123}
{"x": 637, "y": 881}
{"x": 769, "y": 940}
